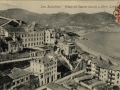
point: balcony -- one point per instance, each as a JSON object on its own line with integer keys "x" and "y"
{"x": 88, "y": 68}
{"x": 110, "y": 82}
{"x": 88, "y": 65}
{"x": 112, "y": 73}
{"x": 111, "y": 78}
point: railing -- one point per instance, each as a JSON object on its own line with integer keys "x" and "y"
{"x": 67, "y": 61}
{"x": 18, "y": 60}
{"x": 13, "y": 56}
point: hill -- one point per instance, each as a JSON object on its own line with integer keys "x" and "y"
{"x": 88, "y": 21}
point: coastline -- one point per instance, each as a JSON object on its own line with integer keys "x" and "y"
{"x": 107, "y": 55}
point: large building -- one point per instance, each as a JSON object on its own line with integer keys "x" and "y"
{"x": 32, "y": 35}
{"x": 50, "y": 36}
{"x": 46, "y": 68}
{"x": 68, "y": 48}
{"x": 104, "y": 70}
{"x": 11, "y": 44}
{"x": 19, "y": 77}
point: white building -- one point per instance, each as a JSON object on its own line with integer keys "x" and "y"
{"x": 19, "y": 77}
{"x": 68, "y": 48}
{"x": 104, "y": 70}
{"x": 3, "y": 32}
{"x": 46, "y": 68}
{"x": 50, "y": 36}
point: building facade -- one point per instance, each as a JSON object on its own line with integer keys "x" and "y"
{"x": 50, "y": 36}
{"x": 46, "y": 68}
{"x": 11, "y": 44}
{"x": 19, "y": 77}
{"x": 68, "y": 48}
{"x": 32, "y": 38}
{"x": 104, "y": 71}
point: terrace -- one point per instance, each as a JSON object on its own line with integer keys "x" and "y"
{"x": 19, "y": 55}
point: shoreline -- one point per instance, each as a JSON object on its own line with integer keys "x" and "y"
{"x": 97, "y": 53}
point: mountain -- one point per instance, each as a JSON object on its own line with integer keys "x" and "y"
{"x": 88, "y": 21}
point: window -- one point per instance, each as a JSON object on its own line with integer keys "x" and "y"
{"x": 34, "y": 39}
{"x": 117, "y": 81}
{"x": 13, "y": 83}
{"x": 31, "y": 44}
{"x": 41, "y": 76}
{"x": 22, "y": 80}
{"x": 28, "y": 44}
{"x": 17, "y": 82}
{"x": 118, "y": 74}
{"x": 25, "y": 40}
{"x": 26, "y": 78}
{"x": 39, "y": 43}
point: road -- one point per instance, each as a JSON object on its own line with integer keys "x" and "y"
{"x": 18, "y": 60}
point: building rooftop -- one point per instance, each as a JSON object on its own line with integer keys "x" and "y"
{"x": 17, "y": 73}
{"x": 48, "y": 61}
{"x": 114, "y": 67}
{"x": 106, "y": 64}
{"x": 11, "y": 29}
{"x": 85, "y": 77}
{"x": 55, "y": 86}
{"x": 45, "y": 60}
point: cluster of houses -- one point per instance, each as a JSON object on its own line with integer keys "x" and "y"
{"x": 104, "y": 70}
{"x": 43, "y": 68}
{"x": 15, "y": 78}
{"x": 25, "y": 36}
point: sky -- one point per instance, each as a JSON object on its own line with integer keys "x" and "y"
{"x": 87, "y": 6}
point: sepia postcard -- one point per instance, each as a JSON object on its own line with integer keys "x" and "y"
{"x": 59, "y": 45}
